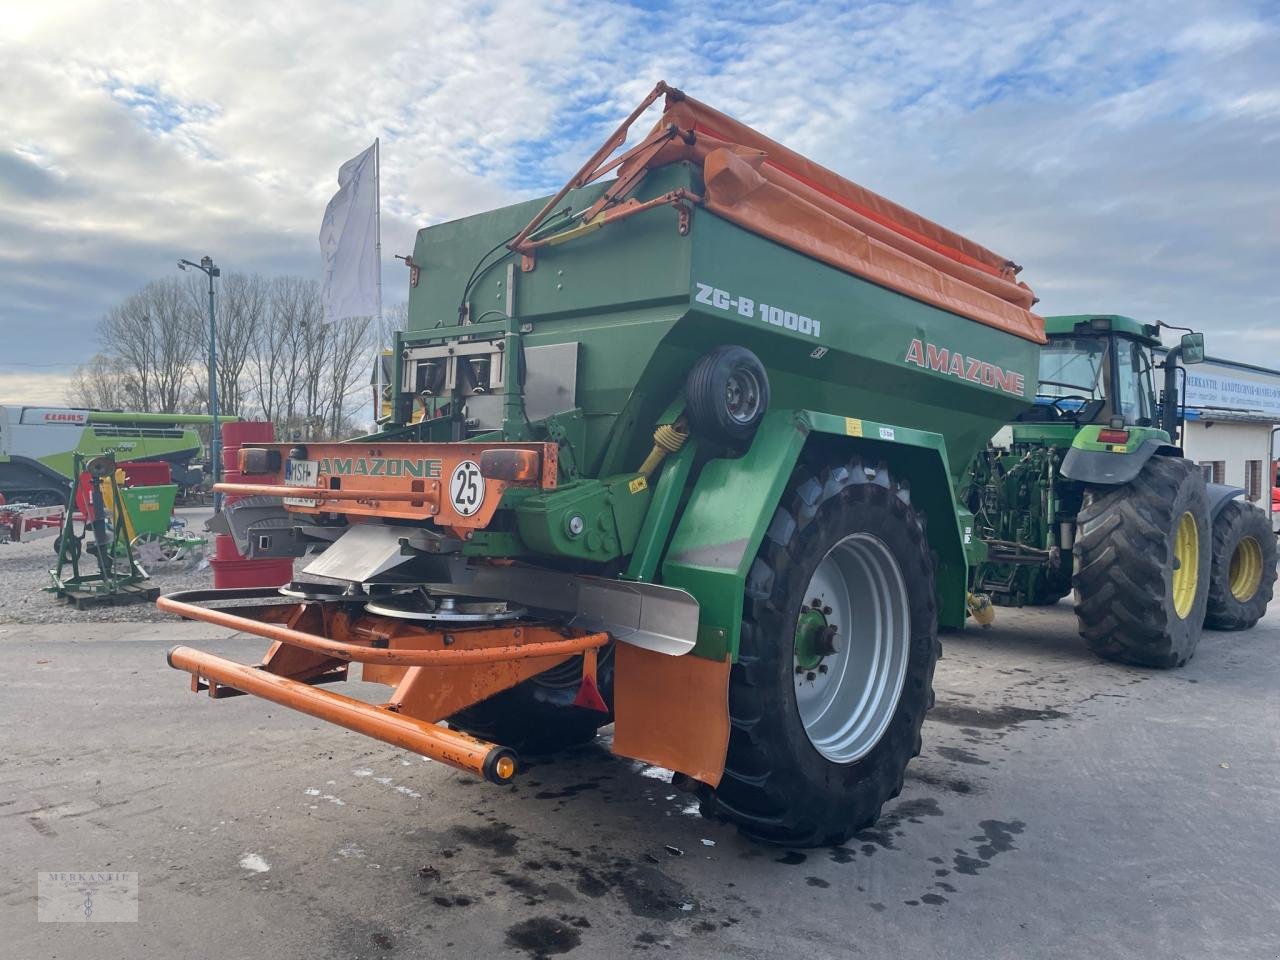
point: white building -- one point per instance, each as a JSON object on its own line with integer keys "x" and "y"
{"x": 1232, "y": 413}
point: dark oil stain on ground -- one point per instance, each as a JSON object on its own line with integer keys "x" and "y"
{"x": 792, "y": 858}
{"x": 382, "y": 941}
{"x": 817, "y": 882}
{"x": 886, "y": 828}
{"x": 445, "y": 900}
{"x": 647, "y": 891}
{"x": 997, "y": 838}
{"x": 543, "y": 936}
{"x": 495, "y": 837}
{"x": 961, "y": 755}
{"x": 952, "y": 784}
{"x": 645, "y": 940}
{"x": 533, "y": 892}
{"x": 913, "y": 810}
{"x": 572, "y": 790}
{"x": 652, "y": 894}
{"x": 995, "y": 718}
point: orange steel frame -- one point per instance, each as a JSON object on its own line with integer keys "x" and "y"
{"x": 378, "y": 492}
{"x": 434, "y": 672}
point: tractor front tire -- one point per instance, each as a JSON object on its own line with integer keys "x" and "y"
{"x": 1243, "y": 568}
{"x": 1142, "y": 565}
{"x": 823, "y": 721}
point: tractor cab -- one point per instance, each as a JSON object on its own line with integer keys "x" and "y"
{"x": 1097, "y": 370}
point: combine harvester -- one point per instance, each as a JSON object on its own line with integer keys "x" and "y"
{"x": 38, "y": 445}
{"x": 661, "y": 453}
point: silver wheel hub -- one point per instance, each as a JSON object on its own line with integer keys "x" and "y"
{"x": 742, "y": 396}
{"x": 852, "y": 644}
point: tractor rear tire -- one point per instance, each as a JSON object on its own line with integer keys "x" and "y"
{"x": 1142, "y": 565}
{"x": 538, "y": 716}
{"x": 808, "y": 764}
{"x": 1243, "y": 569}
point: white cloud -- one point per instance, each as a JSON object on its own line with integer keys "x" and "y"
{"x": 1125, "y": 153}
{"x": 44, "y": 388}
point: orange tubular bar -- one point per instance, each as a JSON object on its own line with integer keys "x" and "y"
{"x": 494, "y": 763}
{"x": 318, "y": 493}
{"x": 396, "y": 657}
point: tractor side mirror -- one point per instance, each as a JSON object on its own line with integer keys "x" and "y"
{"x": 1192, "y": 348}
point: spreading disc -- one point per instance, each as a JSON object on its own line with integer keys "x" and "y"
{"x": 303, "y": 590}
{"x": 420, "y": 606}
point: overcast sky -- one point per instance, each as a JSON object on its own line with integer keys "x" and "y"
{"x": 1126, "y": 153}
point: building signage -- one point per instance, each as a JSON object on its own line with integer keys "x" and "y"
{"x": 1212, "y": 386}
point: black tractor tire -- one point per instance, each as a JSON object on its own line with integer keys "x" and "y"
{"x": 1125, "y": 565}
{"x": 1238, "y": 591}
{"x": 777, "y": 787}
{"x": 538, "y": 716}
{"x": 719, "y": 378}
{"x": 1047, "y": 587}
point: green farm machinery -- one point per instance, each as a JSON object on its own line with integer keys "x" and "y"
{"x": 105, "y": 536}
{"x": 1089, "y": 489}
{"x": 675, "y": 450}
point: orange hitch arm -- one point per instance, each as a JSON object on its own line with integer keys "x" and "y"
{"x": 494, "y": 763}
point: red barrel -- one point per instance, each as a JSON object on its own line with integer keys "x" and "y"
{"x": 230, "y": 569}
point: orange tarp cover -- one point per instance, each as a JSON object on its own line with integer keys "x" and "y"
{"x": 770, "y": 190}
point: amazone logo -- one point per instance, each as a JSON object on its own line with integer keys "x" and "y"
{"x": 379, "y": 467}
{"x": 942, "y": 360}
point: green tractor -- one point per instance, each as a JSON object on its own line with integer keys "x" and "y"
{"x": 1088, "y": 489}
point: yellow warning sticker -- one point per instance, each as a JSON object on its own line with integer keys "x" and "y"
{"x": 638, "y": 484}
{"x": 852, "y": 427}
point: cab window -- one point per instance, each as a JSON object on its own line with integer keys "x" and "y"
{"x": 1073, "y": 367}
{"x": 1131, "y": 394}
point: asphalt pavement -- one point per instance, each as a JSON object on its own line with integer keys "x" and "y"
{"x": 1063, "y": 807}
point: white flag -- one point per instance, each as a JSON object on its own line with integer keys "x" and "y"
{"x": 348, "y": 241}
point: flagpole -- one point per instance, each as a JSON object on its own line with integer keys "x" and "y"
{"x": 377, "y": 220}
{"x": 377, "y": 217}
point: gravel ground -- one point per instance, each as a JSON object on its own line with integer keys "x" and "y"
{"x": 24, "y": 573}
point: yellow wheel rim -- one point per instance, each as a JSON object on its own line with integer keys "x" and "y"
{"x": 1186, "y": 574}
{"x": 1245, "y": 572}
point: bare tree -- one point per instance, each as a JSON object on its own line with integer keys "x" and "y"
{"x": 241, "y": 307}
{"x": 277, "y": 358}
{"x": 97, "y": 384}
{"x": 152, "y": 342}
{"x": 394, "y": 318}
{"x": 350, "y": 364}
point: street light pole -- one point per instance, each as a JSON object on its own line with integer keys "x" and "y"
{"x": 206, "y": 266}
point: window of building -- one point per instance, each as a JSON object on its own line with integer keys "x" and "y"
{"x": 1214, "y": 470}
{"x": 1253, "y": 479}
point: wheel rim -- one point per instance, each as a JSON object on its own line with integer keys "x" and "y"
{"x": 156, "y": 548}
{"x": 742, "y": 396}
{"x": 1245, "y": 572}
{"x": 848, "y": 680}
{"x": 1186, "y": 572}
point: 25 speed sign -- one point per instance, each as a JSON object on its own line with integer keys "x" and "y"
{"x": 466, "y": 488}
